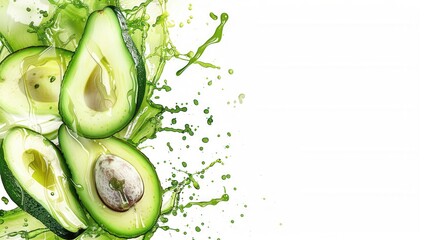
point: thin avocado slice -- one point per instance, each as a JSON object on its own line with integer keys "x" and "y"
{"x": 35, "y": 176}
{"x": 18, "y": 224}
{"x": 30, "y": 81}
{"x": 104, "y": 82}
{"x": 115, "y": 182}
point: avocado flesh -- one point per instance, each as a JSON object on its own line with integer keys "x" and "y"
{"x": 104, "y": 82}
{"x": 35, "y": 176}
{"x": 81, "y": 155}
{"x": 30, "y": 81}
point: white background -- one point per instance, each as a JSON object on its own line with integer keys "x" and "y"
{"x": 333, "y": 136}
{"x": 334, "y": 131}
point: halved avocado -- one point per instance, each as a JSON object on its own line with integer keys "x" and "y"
{"x": 30, "y": 81}
{"x": 35, "y": 176}
{"x": 104, "y": 82}
{"x": 83, "y": 157}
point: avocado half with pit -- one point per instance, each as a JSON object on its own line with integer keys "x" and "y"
{"x": 30, "y": 81}
{"x": 116, "y": 183}
{"x": 36, "y": 178}
{"x": 105, "y": 80}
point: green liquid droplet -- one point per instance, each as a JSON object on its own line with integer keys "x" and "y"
{"x": 230, "y": 71}
{"x": 5, "y": 200}
{"x": 210, "y": 120}
{"x": 213, "y": 16}
{"x": 169, "y": 147}
{"x": 196, "y": 102}
{"x": 241, "y": 97}
{"x": 184, "y": 164}
{"x": 198, "y": 229}
{"x": 205, "y": 140}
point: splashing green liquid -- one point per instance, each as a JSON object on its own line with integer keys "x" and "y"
{"x": 217, "y": 37}
{"x": 148, "y": 22}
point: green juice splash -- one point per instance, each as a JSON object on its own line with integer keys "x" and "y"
{"x": 190, "y": 184}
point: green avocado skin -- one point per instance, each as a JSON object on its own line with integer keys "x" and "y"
{"x": 27, "y": 203}
{"x": 137, "y": 58}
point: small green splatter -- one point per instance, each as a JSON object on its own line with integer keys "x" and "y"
{"x": 230, "y": 71}
{"x": 213, "y": 16}
{"x": 198, "y": 229}
{"x": 226, "y": 176}
{"x": 184, "y": 164}
{"x": 196, "y": 102}
{"x": 170, "y": 148}
{"x": 205, "y": 139}
{"x": 241, "y": 98}
{"x": 5, "y": 200}
{"x": 210, "y": 120}
{"x": 44, "y": 13}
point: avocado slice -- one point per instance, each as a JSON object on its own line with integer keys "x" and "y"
{"x": 35, "y": 176}
{"x": 105, "y": 80}
{"x": 30, "y": 81}
{"x": 18, "y": 224}
{"x": 104, "y": 169}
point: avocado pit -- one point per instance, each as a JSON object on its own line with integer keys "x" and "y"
{"x": 118, "y": 183}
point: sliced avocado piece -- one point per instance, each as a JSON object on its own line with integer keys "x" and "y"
{"x": 36, "y": 178}
{"x": 107, "y": 173}
{"x": 30, "y": 81}
{"x": 18, "y": 224}
{"x": 104, "y": 82}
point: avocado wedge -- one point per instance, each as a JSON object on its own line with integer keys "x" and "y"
{"x": 115, "y": 182}
{"x": 30, "y": 81}
{"x": 35, "y": 176}
{"x": 105, "y": 80}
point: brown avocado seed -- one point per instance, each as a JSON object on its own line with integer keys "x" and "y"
{"x": 118, "y": 183}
